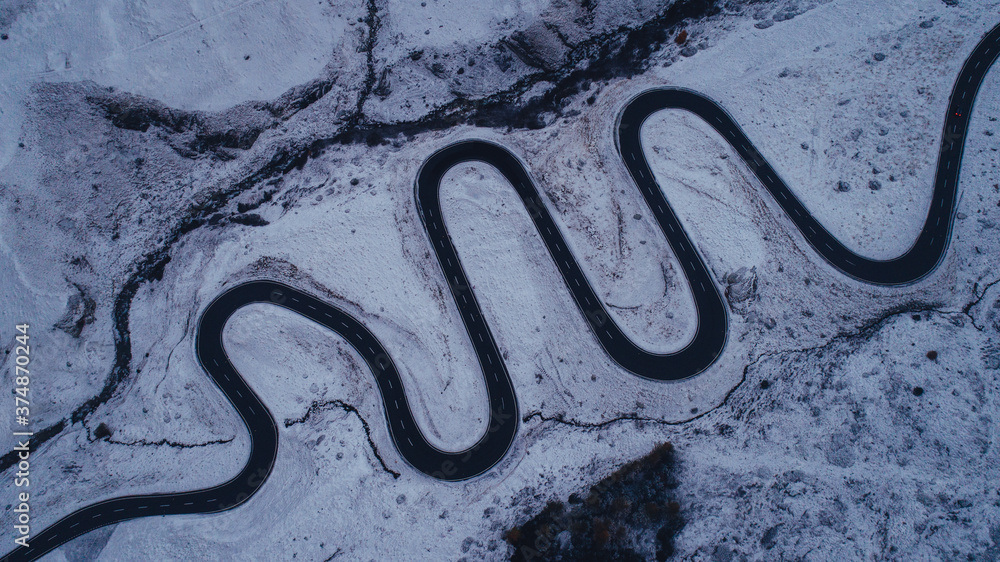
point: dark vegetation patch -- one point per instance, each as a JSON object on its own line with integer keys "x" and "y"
{"x": 619, "y": 53}
{"x": 630, "y": 515}
{"x": 249, "y": 219}
{"x": 196, "y": 133}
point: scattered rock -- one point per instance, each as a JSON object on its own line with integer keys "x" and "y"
{"x": 879, "y": 57}
{"x": 503, "y": 61}
{"x": 383, "y": 88}
{"x": 840, "y": 450}
{"x": 741, "y": 289}
{"x": 80, "y": 310}
{"x": 874, "y": 185}
{"x": 102, "y": 431}
{"x": 767, "y": 540}
{"x": 689, "y": 51}
{"x": 926, "y": 24}
{"x": 843, "y": 186}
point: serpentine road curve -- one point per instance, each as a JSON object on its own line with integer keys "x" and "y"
{"x": 700, "y": 353}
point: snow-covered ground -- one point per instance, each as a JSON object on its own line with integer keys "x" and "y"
{"x": 837, "y": 456}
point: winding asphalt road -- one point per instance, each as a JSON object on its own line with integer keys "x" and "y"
{"x": 701, "y": 352}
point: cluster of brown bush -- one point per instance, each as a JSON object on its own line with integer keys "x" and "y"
{"x": 613, "y": 522}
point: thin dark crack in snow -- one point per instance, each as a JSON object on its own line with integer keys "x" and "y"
{"x": 326, "y": 405}
{"x": 864, "y": 331}
{"x": 967, "y": 309}
{"x": 167, "y": 442}
{"x": 336, "y": 553}
{"x": 91, "y": 438}
{"x": 560, "y": 418}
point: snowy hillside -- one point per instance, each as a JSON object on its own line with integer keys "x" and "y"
{"x": 154, "y": 154}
